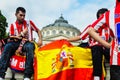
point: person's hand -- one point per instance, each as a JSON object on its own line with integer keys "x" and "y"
{"x": 108, "y": 45}
{"x": 25, "y": 31}
{"x": 39, "y": 43}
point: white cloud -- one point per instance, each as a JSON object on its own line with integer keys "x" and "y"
{"x": 44, "y": 12}
{"x": 85, "y": 14}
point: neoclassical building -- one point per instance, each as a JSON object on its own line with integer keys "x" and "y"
{"x": 60, "y": 29}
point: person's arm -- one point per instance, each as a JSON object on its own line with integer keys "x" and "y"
{"x": 40, "y": 37}
{"x": 38, "y": 32}
{"x": 95, "y": 36}
{"x": 74, "y": 39}
{"x": 82, "y": 35}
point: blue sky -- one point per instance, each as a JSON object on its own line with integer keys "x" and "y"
{"x": 79, "y": 13}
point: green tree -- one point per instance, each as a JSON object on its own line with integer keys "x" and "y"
{"x": 3, "y": 25}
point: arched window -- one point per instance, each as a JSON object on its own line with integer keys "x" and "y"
{"x": 54, "y": 32}
{"x": 48, "y": 32}
{"x": 68, "y": 33}
{"x": 61, "y": 32}
{"x": 73, "y": 33}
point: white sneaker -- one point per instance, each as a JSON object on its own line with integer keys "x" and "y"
{"x": 26, "y": 78}
{"x": 1, "y": 78}
{"x": 96, "y": 78}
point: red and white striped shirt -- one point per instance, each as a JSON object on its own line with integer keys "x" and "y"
{"x": 104, "y": 32}
{"x": 16, "y": 28}
{"x": 112, "y": 19}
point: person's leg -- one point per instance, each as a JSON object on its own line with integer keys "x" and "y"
{"x": 8, "y": 51}
{"x": 97, "y": 61}
{"x": 106, "y": 53}
{"x": 29, "y": 49}
{"x": 114, "y": 72}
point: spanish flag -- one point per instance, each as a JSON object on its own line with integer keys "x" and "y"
{"x": 60, "y": 60}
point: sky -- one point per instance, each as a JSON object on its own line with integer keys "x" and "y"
{"x": 78, "y": 13}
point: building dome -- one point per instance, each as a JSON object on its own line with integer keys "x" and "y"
{"x": 59, "y": 27}
{"x": 61, "y": 20}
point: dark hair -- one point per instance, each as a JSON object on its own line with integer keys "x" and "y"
{"x": 101, "y": 11}
{"x": 20, "y": 9}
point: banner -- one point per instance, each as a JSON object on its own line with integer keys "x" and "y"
{"x": 17, "y": 63}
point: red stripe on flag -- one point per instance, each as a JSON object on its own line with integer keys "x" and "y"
{"x": 58, "y": 44}
{"x": 72, "y": 74}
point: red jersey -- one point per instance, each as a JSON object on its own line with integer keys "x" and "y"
{"x": 16, "y": 28}
{"x": 104, "y": 32}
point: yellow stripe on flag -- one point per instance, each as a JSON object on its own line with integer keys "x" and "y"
{"x": 48, "y": 63}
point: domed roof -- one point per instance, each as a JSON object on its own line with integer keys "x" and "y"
{"x": 61, "y": 22}
{"x": 60, "y": 29}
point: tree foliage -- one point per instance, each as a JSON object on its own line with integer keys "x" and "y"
{"x": 3, "y": 25}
